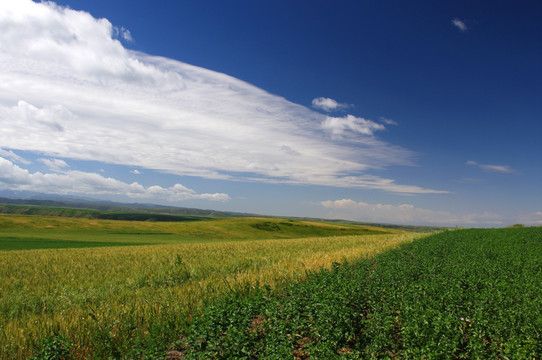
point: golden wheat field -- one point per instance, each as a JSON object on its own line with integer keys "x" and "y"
{"x": 120, "y": 296}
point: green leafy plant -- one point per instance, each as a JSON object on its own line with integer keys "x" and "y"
{"x": 54, "y": 347}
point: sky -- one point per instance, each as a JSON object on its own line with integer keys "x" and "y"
{"x": 420, "y": 113}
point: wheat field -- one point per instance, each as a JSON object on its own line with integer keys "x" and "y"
{"x": 114, "y": 299}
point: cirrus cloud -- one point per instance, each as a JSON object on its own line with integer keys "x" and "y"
{"x": 70, "y": 89}
{"x": 492, "y": 168}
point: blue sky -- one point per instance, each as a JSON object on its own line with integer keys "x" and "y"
{"x": 398, "y": 112}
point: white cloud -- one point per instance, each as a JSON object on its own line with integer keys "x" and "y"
{"x": 69, "y": 89}
{"x": 328, "y": 104}
{"x": 491, "y": 168}
{"x": 54, "y": 164}
{"x": 405, "y": 214}
{"x": 135, "y": 171}
{"x": 350, "y": 125}
{"x": 13, "y": 177}
{"x": 459, "y": 24}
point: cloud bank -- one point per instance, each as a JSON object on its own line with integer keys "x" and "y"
{"x": 70, "y": 182}
{"x": 405, "y": 214}
{"x": 70, "y": 89}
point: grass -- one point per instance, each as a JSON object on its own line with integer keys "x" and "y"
{"x": 130, "y": 301}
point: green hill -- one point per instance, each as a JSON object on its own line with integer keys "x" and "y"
{"x": 40, "y": 232}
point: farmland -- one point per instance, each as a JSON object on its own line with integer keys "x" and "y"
{"x": 251, "y": 287}
{"x": 122, "y": 289}
{"x": 471, "y": 294}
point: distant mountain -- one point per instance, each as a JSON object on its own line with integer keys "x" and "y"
{"x": 58, "y": 201}
{"x": 26, "y": 195}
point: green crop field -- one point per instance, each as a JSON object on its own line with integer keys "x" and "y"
{"x": 82, "y": 284}
{"x": 467, "y": 294}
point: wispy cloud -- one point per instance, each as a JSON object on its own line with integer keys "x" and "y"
{"x": 8, "y": 154}
{"x": 328, "y": 104}
{"x": 84, "y": 96}
{"x": 388, "y": 121}
{"x": 405, "y": 214}
{"x": 469, "y": 180}
{"x": 459, "y": 24}
{"x": 491, "y": 168}
{"x": 54, "y": 164}
{"x": 122, "y": 33}
{"x": 136, "y": 172}
{"x": 13, "y": 177}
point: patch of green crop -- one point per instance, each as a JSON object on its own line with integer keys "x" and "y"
{"x": 28, "y": 243}
{"x": 16, "y": 239}
{"x": 468, "y": 294}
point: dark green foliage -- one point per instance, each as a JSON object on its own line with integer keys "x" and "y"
{"x": 27, "y": 243}
{"x": 266, "y": 226}
{"x": 138, "y": 216}
{"x": 467, "y": 294}
{"x": 302, "y": 229}
{"x": 54, "y": 347}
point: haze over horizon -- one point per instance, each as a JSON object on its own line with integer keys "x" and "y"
{"x": 425, "y": 114}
